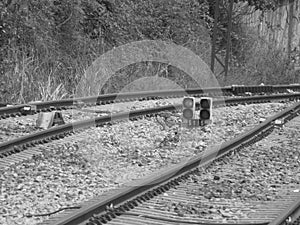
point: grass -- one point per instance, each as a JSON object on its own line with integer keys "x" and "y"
{"x": 44, "y": 78}
{"x": 50, "y": 92}
{"x": 261, "y": 62}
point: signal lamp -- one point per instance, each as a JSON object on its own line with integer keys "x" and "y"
{"x": 205, "y": 113}
{"x": 189, "y": 107}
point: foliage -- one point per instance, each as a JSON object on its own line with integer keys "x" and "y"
{"x": 253, "y": 60}
{"x": 62, "y": 38}
{"x": 260, "y": 62}
{"x": 49, "y": 92}
{"x": 239, "y": 10}
{"x": 262, "y": 5}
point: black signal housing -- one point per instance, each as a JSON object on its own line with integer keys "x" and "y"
{"x": 205, "y": 113}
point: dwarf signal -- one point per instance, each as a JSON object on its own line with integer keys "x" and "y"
{"x": 190, "y": 118}
{"x": 189, "y": 108}
{"x": 205, "y": 114}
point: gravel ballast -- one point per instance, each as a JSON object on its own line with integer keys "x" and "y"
{"x": 89, "y": 163}
{"x": 238, "y": 186}
{"x": 15, "y": 127}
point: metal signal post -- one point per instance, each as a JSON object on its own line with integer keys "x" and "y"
{"x": 217, "y": 48}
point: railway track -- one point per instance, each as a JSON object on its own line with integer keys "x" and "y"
{"x": 37, "y": 107}
{"x": 233, "y": 102}
{"x": 170, "y": 195}
{"x": 9, "y": 148}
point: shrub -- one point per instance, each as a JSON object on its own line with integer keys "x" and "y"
{"x": 260, "y": 62}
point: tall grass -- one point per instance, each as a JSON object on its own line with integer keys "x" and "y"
{"x": 30, "y": 79}
{"x": 50, "y": 92}
{"x": 51, "y": 77}
{"x": 261, "y": 62}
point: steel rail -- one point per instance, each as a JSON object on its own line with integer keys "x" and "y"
{"x": 36, "y": 107}
{"x": 289, "y": 216}
{"x": 58, "y": 132}
{"x": 102, "y": 209}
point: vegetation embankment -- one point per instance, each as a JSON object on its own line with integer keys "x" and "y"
{"x": 46, "y": 46}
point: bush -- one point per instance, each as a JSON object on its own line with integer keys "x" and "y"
{"x": 46, "y": 45}
{"x": 260, "y": 62}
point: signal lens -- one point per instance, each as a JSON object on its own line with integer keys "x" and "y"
{"x": 204, "y": 114}
{"x": 188, "y": 102}
{"x": 204, "y": 103}
{"x": 188, "y": 113}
